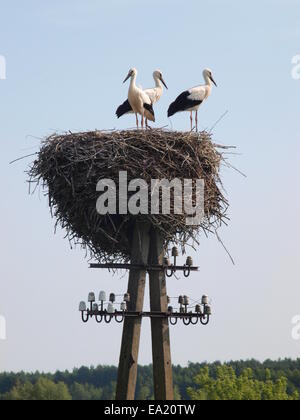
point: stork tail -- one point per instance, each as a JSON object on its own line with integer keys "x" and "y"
{"x": 149, "y": 112}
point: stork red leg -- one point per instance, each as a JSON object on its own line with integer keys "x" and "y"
{"x": 197, "y": 121}
{"x": 191, "y": 118}
{"x": 137, "y": 121}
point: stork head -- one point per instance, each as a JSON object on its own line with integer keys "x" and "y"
{"x": 132, "y": 72}
{"x": 207, "y": 74}
{"x": 157, "y": 75}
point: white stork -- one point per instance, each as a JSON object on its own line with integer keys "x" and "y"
{"x": 139, "y": 101}
{"x": 190, "y": 100}
{"x": 153, "y": 93}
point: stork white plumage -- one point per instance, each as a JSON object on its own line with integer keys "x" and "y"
{"x": 154, "y": 94}
{"x": 139, "y": 101}
{"x": 191, "y": 99}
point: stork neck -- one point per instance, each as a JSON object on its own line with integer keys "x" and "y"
{"x": 207, "y": 81}
{"x": 158, "y": 83}
{"x": 133, "y": 81}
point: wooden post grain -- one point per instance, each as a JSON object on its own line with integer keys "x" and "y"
{"x": 127, "y": 372}
{"x": 162, "y": 365}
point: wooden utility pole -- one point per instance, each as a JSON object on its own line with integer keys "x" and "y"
{"x": 161, "y": 351}
{"x": 147, "y": 249}
{"x": 127, "y": 373}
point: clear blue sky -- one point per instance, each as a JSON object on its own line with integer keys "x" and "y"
{"x": 65, "y": 64}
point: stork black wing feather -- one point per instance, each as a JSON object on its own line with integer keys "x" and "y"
{"x": 182, "y": 103}
{"x": 124, "y": 109}
{"x": 149, "y": 108}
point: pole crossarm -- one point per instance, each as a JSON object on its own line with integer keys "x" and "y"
{"x": 168, "y": 270}
{"x": 120, "y": 316}
{"x": 143, "y": 267}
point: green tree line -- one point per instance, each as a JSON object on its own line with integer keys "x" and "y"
{"x": 241, "y": 380}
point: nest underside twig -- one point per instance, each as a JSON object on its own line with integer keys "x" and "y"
{"x": 69, "y": 166}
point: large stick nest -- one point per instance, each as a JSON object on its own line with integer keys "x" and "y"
{"x": 69, "y": 167}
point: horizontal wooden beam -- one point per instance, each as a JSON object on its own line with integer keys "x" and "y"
{"x": 144, "y": 267}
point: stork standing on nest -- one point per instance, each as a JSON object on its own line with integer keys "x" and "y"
{"x": 139, "y": 101}
{"x": 156, "y": 93}
{"x": 153, "y": 93}
{"x": 190, "y": 100}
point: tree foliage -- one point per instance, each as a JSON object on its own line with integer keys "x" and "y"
{"x": 43, "y": 390}
{"x": 242, "y": 380}
{"x": 227, "y": 385}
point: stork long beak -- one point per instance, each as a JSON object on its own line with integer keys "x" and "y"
{"x": 163, "y": 82}
{"x": 212, "y": 79}
{"x": 127, "y": 77}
